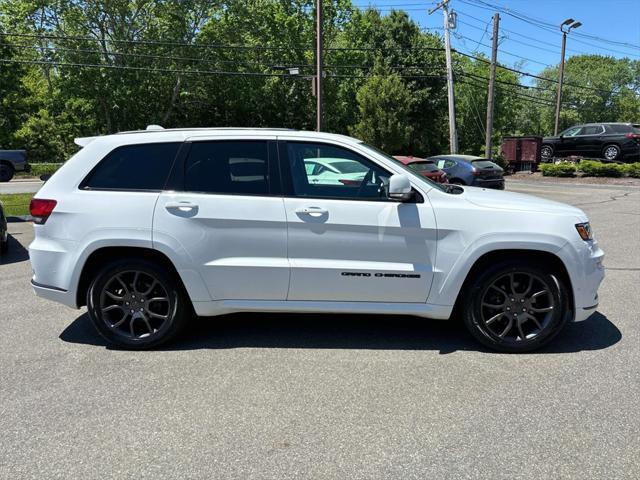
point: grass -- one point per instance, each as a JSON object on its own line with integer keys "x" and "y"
{"x": 16, "y": 203}
{"x": 38, "y": 169}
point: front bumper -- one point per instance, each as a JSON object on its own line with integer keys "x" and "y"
{"x": 584, "y": 262}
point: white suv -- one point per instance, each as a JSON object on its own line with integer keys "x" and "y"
{"x": 150, "y": 228}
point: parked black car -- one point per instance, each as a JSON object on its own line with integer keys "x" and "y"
{"x": 470, "y": 170}
{"x": 4, "y": 235}
{"x": 12, "y": 161}
{"x": 611, "y": 141}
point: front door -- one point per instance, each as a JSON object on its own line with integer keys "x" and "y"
{"x": 347, "y": 241}
{"x": 226, "y": 221}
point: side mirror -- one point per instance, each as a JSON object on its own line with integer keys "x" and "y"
{"x": 561, "y": 136}
{"x": 400, "y": 188}
{"x": 45, "y": 177}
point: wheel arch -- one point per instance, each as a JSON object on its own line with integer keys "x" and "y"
{"x": 538, "y": 257}
{"x": 101, "y": 256}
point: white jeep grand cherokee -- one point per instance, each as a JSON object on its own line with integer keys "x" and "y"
{"x": 150, "y": 228}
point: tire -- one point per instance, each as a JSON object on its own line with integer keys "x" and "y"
{"x": 546, "y": 152}
{"x": 508, "y": 326}
{"x": 4, "y": 244}
{"x": 611, "y": 152}
{"x": 120, "y": 310}
{"x": 6, "y": 172}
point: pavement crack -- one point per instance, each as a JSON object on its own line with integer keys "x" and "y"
{"x": 612, "y": 198}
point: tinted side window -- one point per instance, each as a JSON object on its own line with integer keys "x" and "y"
{"x": 344, "y": 173}
{"x": 234, "y": 167}
{"x": 620, "y": 128}
{"x": 591, "y": 130}
{"x": 134, "y": 167}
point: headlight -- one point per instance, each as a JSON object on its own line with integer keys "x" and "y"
{"x": 584, "y": 230}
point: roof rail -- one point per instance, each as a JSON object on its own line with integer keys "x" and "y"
{"x": 154, "y": 128}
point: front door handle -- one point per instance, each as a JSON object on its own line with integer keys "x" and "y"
{"x": 313, "y": 211}
{"x": 182, "y": 206}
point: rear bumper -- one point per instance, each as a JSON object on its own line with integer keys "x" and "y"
{"x": 54, "y": 293}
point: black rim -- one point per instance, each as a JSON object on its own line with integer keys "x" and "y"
{"x": 546, "y": 152}
{"x": 135, "y": 305}
{"x": 517, "y": 307}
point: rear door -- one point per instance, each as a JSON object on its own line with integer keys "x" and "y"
{"x": 347, "y": 241}
{"x": 226, "y": 218}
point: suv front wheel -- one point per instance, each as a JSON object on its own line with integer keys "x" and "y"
{"x": 515, "y": 307}
{"x": 136, "y": 304}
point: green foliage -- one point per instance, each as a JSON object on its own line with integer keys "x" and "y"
{"x": 633, "y": 169}
{"x": 38, "y": 169}
{"x": 383, "y": 103}
{"x": 591, "y": 168}
{"x": 562, "y": 169}
{"x": 159, "y": 61}
{"x": 16, "y": 203}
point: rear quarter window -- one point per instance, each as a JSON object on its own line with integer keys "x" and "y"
{"x": 134, "y": 167}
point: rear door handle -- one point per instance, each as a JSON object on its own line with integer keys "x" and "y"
{"x": 183, "y": 206}
{"x": 313, "y": 211}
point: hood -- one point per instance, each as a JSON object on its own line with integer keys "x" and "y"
{"x": 550, "y": 139}
{"x": 501, "y": 200}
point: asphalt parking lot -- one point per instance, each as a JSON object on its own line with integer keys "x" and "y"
{"x": 313, "y": 396}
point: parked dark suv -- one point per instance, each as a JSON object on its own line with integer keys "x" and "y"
{"x": 611, "y": 141}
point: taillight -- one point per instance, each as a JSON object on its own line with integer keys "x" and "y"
{"x": 632, "y": 135}
{"x": 40, "y": 209}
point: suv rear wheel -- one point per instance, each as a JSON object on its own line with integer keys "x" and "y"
{"x": 136, "y": 304}
{"x": 515, "y": 307}
{"x": 611, "y": 152}
{"x": 546, "y": 152}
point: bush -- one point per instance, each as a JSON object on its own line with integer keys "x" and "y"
{"x": 633, "y": 169}
{"x": 38, "y": 169}
{"x": 591, "y": 168}
{"x": 562, "y": 169}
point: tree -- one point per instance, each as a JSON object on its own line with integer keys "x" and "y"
{"x": 383, "y": 104}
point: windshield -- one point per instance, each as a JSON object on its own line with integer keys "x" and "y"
{"x": 570, "y": 132}
{"x": 413, "y": 174}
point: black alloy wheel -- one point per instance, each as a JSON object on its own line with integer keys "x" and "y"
{"x": 516, "y": 308}
{"x": 136, "y": 304}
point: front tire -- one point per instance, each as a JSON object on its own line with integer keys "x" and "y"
{"x": 4, "y": 242}
{"x": 546, "y": 152}
{"x": 515, "y": 306}
{"x": 137, "y": 304}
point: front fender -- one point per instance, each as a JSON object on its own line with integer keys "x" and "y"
{"x": 455, "y": 260}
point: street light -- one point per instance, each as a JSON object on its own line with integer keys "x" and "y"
{"x": 570, "y": 23}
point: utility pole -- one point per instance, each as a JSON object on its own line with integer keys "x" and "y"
{"x": 453, "y": 134}
{"x": 492, "y": 87}
{"x": 572, "y": 24}
{"x": 319, "y": 65}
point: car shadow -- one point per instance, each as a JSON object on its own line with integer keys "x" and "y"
{"x": 16, "y": 253}
{"x": 368, "y": 332}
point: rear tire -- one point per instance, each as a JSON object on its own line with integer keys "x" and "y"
{"x": 611, "y": 152}
{"x": 4, "y": 243}
{"x": 515, "y": 306}
{"x": 6, "y": 172}
{"x": 136, "y": 304}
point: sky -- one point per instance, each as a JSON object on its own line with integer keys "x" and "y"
{"x": 533, "y": 43}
